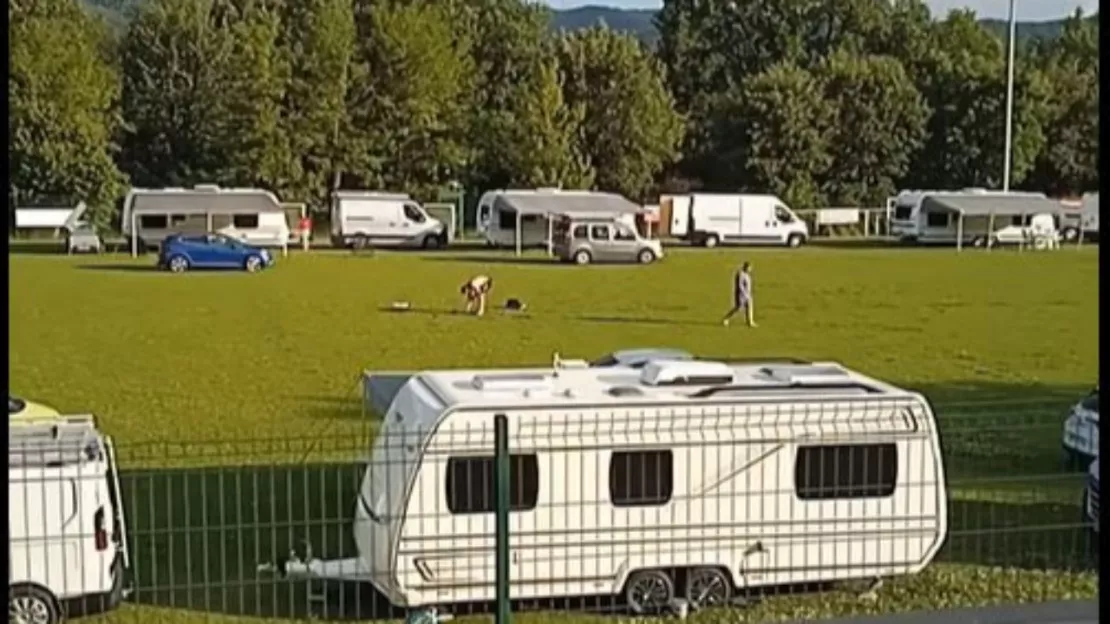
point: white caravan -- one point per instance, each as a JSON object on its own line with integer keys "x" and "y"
{"x": 908, "y": 223}
{"x": 364, "y": 218}
{"x": 713, "y": 219}
{"x": 1084, "y": 222}
{"x": 67, "y": 533}
{"x": 501, "y": 212}
{"x": 696, "y": 478}
{"x": 252, "y": 215}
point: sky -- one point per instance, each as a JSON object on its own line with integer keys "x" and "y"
{"x": 1027, "y": 10}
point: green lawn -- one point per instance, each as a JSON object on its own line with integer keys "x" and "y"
{"x": 234, "y": 398}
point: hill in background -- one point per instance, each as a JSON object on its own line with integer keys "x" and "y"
{"x": 637, "y": 22}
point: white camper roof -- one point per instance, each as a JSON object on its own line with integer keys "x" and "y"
{"x": 381, "y": 195}
{"x": 199, "y": 200}
{"x": 55, "y": 441}
{"x": 659, "y": 381}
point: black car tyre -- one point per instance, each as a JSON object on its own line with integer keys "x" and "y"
{"x": 177, "y": 264}
{"x": 253, "y": 264}
{"x": 30, "y": 604}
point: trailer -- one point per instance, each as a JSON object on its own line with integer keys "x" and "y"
{"x": 67, "y": 542}
{"x": 254, "y": 216}
{"x": 1082, "y": 225}
{"x": 681, "y": 478}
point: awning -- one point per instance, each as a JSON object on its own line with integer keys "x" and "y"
{"x": 199, "y": 202}
{"x": 999, "y": 205}
{"x": 568, "y": 203}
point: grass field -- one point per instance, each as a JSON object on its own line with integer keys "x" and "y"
{"x": 184, "y": 369}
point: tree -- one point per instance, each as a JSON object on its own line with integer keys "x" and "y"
{"x": 203, "y": 88}
{"x": 964, "y": 83}
{"x": 630, "y": 127}
{"x": 63, "y": 97}
{"x": 785, "y": 129}
{"x": 318, "y": 43}
{"x": 878, "y": 125}
{"x": 408, "y": 101}
{"x": 510, "y": 41}
{"x": 1069, "y": 163}
{"x": 542, "y": 146}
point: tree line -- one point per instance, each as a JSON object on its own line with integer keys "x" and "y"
{"x": 821, "y": 103}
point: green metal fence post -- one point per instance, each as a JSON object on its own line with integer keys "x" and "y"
{"x": 501, "y": 511}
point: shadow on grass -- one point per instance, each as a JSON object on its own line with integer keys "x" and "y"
{"x": 640, "y": 320}
{"x": 121, "y": 268}
{"x": 498, "y": 259}
{"x": 37, "y": 247}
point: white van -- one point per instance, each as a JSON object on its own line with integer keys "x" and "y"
{"x": 680, "y": 478}
{"x": 713, "y": 219}
{"x": 68, "y": 546}
{"x": 363, "y": 218}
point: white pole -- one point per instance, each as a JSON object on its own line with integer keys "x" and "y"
{"x": 519, "y": 245}
{"x": 1009, "y": 100}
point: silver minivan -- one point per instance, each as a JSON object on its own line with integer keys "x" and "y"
{"x": 583, "y": 240}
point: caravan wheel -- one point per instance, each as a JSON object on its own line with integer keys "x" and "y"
{"x": 708, "y": 587}
{"x": 28, "y": 604}
{"x": 649, "y": 591}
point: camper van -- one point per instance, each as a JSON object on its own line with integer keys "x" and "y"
{"x": 68, "y": 548}
{"x": 714, "y": 219}
{"x": 909, "y": 223}
{"x": 680, "y": 478}
{"x": 533, "y": 211}
{"x": 254, "y": 216}
{"x": 364, "y": 218}
{"x": 1083, "y": 222}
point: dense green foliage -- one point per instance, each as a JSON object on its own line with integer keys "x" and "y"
{"x": 822, "y": 106}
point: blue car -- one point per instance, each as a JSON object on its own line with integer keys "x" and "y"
{"x": 182, "y": 252}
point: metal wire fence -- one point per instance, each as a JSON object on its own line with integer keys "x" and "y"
{"x": 624, "y": 511}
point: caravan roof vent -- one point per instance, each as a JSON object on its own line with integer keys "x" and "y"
{"x": 685, "y": 373}
{"x": 206, "y": 187}
{"x": 624, "y": 391}
{"x": 511, "y": 381}
{"x": 797, "y": 374}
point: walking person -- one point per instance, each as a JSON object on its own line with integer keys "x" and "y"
{"x": 742, "y": 298}
{"x": 475, "y": 290}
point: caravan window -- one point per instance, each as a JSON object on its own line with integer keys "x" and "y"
{"x": 153, "y": 222}
{"x": 1021, "y": 220}
{"x": 506, "y": 220}
{"x": 470, "y": 487}
{"x": 245, "y": 221}
{"x": 936, "y": 219}
{"x": 846, "y": 471}
{"x": 641, "y": 478}
{"x": 178, "y": 219}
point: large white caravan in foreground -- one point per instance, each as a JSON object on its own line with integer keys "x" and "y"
{"x": 682, "y": 478}
{"x": 67, "y": 539}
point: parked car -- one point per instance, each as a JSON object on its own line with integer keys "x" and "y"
{"x": 20, "y": 409}
{"x": 182, "y": 252}
{"x": 1081, "y": 433}
{"x": 583, "y": 240}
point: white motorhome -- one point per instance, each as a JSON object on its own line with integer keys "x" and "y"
{"x": 502, "y": 212}
{"x": 254, "y": 216}
{"x": 66, "y": 522}
{"x": 1083, "y": 222}
{"x": 909, "y": 223}
{"x": 696, "y": 478}
{"x": 363, "y": 218}
{"x": 712, "y": 219}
